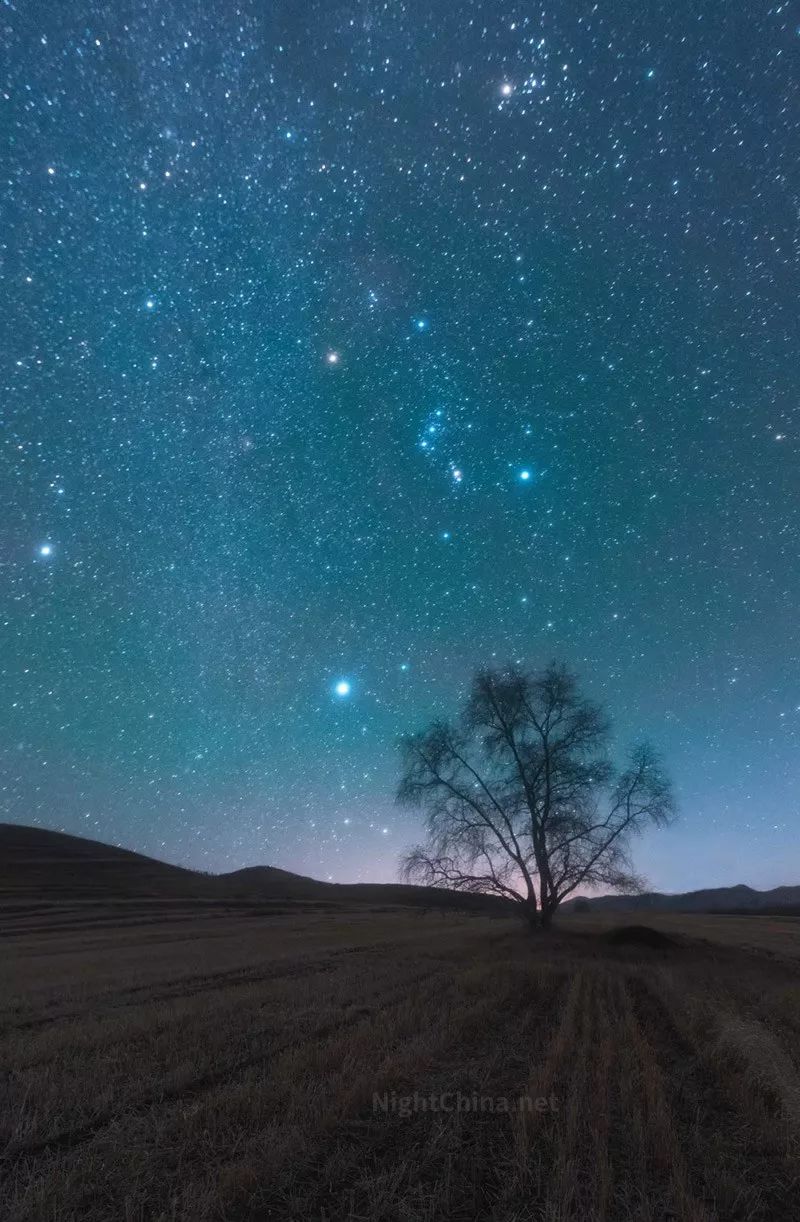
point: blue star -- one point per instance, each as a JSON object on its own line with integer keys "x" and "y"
{"x": 343, "y": 688}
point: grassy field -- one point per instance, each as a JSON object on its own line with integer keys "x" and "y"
{"x": 171, "y": 1062}
{"x": 776, "y": 936}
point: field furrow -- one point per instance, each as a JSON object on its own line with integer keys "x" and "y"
{"x": 398, "y": 1069}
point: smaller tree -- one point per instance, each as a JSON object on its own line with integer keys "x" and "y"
{"x": 521, "y": 796}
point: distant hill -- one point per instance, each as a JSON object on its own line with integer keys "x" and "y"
{"x": 36, "y": 863}
{"x": 712, "y": 899}
{"x": 270, "y": 882}
{"x": 40, "y": 865}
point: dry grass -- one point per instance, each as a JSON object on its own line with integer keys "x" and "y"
{"x": 224, "y": 1066}
{"x": 774, "y": 936}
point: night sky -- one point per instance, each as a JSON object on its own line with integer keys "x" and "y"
{"x": 345, "y": 347}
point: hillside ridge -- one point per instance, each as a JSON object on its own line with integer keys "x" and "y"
{"x": 37, "y": 863}
{"x": 40, "y": 862}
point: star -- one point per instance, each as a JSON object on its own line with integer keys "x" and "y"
{"x": 316, "y": 311}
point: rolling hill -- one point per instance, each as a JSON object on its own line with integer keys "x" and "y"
{"x": 740, "y": 898}
{"x": 43, "y": 866}
{"x": 270, "y": 882}
{"x": 39, "y": 865}
{"x": 36, "y": 863}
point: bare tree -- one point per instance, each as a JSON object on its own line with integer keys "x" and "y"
{"x": 521, "y": 797}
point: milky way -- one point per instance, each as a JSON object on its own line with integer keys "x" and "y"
{"x": 347, "y": 346}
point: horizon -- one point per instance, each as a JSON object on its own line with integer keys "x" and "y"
{"x": 376, "y": 881}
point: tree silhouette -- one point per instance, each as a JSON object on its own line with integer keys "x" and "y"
{"x": 521, "y": 797}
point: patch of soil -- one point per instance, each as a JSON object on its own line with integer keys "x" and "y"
{"x": 640, "y": 935}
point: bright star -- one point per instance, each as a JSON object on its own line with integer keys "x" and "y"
{"x": 342, "y": 688}
{"x": 421, "y": 324}
{"x": 525, "y": 475}
{"x": 46, "y": 549}
{"x": 506, "y": 89}
{"x": 332, "y": 358}
{"x": 458, "y": 475}
{"x": 150, "y": 303}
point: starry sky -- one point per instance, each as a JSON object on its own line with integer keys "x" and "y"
{"x": 347, "y": 346}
